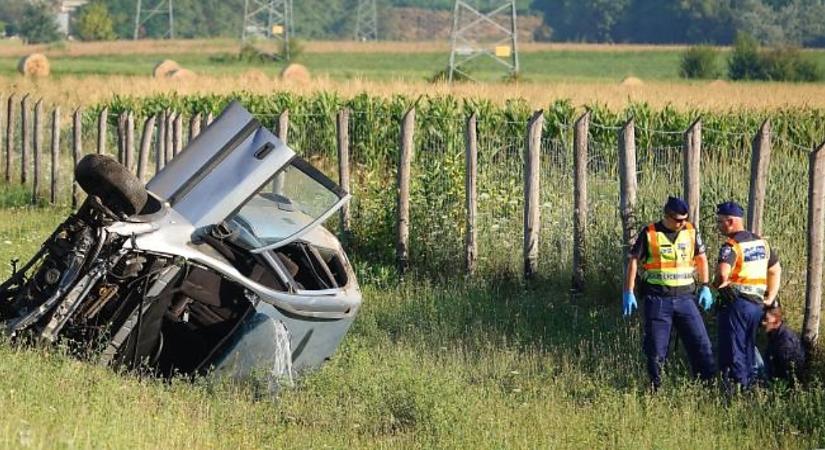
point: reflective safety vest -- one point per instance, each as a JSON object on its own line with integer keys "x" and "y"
{"x": 670, "y": 263}
{"x": 749, "y": 275}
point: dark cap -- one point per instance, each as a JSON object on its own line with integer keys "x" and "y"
{"x": 730, "y": 209}
{"x": 676, "y": 205}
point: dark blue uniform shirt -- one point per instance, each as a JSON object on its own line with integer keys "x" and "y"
{"x": 726, "y": 253}
{"x": 785, "y": 357}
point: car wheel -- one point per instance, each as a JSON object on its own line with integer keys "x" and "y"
{"x": 117, "y": 188}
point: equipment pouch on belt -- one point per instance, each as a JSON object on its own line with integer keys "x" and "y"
{"x": 727, "y": 295}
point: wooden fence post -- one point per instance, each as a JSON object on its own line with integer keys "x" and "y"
{"x": 2, "y": 137}
{"x": 25, "y": 143}
{"x": 208, "y": 119}
{"x": 160, "y": 151}
{"x": 760, "y": 162}
{"x": 532, "y": 195}
{"x": 283, "y": 126}
{"x": 38, "y": 150}
{"x": 77, "y": 149}
{"x": 816, "y": 236}
{"x": 471, "y": 194}
{"x": 145, "y": 148}
{"x": 342, "y": 123}
{"x": 580, "y": 143}
{"x": 102, "y": 124}
{"x": 55, "y": 166}
{"x": 627, "y": 182}
{"x": 5, "y": 154}
{"x": 691, "y": 169}
{"x": 402, "y": 247}
{"x": 283, "y": 134}
{"x": 178, "y": 134}
{"x": 195, "y": 126}
{"x": 129, "y": 148}
{"x": 9, "y": 137}
{"x": 169, "y": 146}
{"x": 121, "y": 138}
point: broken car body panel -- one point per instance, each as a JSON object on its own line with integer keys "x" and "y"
{"x": 225, "y": 263}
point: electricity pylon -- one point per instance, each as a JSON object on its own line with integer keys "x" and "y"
{"x": 158, "y": 8}
{"x": 366, "y": 24}
{"x": 268, "y": 19}
{"x": 477, "y": 34}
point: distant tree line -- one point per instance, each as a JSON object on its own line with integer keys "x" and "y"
{"x": 773, "y": 22}
{"x": 770, "y": 22}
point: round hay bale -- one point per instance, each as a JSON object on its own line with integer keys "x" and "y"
{"x": 34, "y": 65}
{"x": 254, "y": 76}
{"x": 180, "y": 74}
{"x": 164, "y": 68}
{"x": 295, "y": 73}
{"x": 632, "y": 81}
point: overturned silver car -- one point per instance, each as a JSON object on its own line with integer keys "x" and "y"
{"x": 220, "y": 262}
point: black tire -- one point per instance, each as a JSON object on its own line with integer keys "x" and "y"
{"x": 117, "y": 188}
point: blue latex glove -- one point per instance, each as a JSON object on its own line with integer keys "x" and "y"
{"x": 628, "y": 303}
{"x": 705, "y": 298}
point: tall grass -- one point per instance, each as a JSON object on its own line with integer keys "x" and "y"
{"x": 469, "y": 364}
{"x": 442, "y": 361}
{"x": 71, "y": 91}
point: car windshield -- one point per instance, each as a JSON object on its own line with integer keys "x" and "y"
{"x": 295, "y": 200}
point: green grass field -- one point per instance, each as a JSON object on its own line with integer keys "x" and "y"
{"x": 536, "y": 66}
{"x": 469, "y": 364}
{"x": 487, "y": 362}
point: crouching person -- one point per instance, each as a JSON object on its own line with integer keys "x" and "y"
{"x": 784, "y": 358}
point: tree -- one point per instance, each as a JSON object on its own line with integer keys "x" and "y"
{"x": 584, "y": 20}
{"x": 93, "y": 23}
{"x": 38, "y": 24}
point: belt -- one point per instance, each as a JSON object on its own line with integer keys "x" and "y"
{"x": 728, "y": 295}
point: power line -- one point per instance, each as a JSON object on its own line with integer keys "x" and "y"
{"x": 268, "y": 19}
{"x": 157, "y": 8}
{"x": 471, "y": 27}
{"x": 366, "y": 25}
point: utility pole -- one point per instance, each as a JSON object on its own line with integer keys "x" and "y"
{"x": 477, "y": 34}
{"x": 366, "y": 25}
{"x": 268, "y": 19}
{"x": 155, "y": 8}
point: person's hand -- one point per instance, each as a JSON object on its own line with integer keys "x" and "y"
{"x": 705, "y": 298}
{"x": 628, "y": 303}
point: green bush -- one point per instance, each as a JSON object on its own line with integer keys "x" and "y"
{"x": 745, "y": 60}
{"x": 749, "y": 61}
{"x": 94, "y": 23}
{"x": 296, "y": 50}
{"x": 699, "y": 61}
{"x": 788, "y": 64}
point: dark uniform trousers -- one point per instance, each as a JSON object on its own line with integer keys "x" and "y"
{"x": 739, "y": 319}
{"x": 661, "y": 314}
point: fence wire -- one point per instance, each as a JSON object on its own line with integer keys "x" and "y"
{"x": 500, "y": 200}
{"x": 438, "y": 213}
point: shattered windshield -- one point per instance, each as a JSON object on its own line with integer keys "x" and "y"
{"x": 298, "y": 198}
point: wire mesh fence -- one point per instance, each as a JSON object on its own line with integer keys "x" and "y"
{"x": 438, "y": 212}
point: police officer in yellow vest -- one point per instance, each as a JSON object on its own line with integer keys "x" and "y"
{"x": 747, "y": 277}
{"x": 670, "y": 254}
